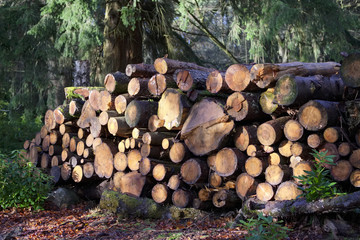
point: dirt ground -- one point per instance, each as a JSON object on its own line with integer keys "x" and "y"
{"x": 85, "y": 221}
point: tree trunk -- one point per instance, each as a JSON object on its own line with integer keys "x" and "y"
{"x": 159, "y": 83}
{"x": 190, "y": 79}
{"x": 215, "y": 82}
{"x": 237, "y": 77}
{"x": 137, "y": 113}
{"x": 271, "y": 131}
{"x": 120, "y": 161}
{"x": 264, "y": 75}
{"x": 55, "y": 150}
{"x": 244, "y": 107}
{"x": 117, "y": 126}
{"x": 355, "y": 158}
{"x": 317, "y": 114}
{"x": 349, "y": 70}
{"x": 107, "y": 101}
{"x": 344, "y": 149}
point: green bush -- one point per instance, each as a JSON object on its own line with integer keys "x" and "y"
{"x": 264, "y": 228}
{"x": 317, "y": 184}
{"x": 21, "y": 183}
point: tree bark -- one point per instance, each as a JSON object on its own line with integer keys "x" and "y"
{"x": 349, "y": 70}
{"x": 137, "y": 113}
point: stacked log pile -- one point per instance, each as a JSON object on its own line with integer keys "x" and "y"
{"x": 194, "y": 136}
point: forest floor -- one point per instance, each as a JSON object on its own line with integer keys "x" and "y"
{"x": 86, "y": 221}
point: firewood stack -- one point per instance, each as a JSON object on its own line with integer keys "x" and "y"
{"x": 194, "y": 136}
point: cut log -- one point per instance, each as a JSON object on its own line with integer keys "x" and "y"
{"x": 255, "y": 166}
{"x": 49, "y": 120}
{"x": 66, "y": 139}
{"x": 159, "y": 83}
{"x": 156, "y": 138}
{"x": 138, "y": 87}
{"x": 267, "y": 101}
{"x": 73, "y": 143}
{"x": 88, "y": 153}
{"x": 298, "y": 90}
{"x": 68, "y": 127}
{"x": 237, "y": 77}
{"x": 285, "y": 148}
{"x": 66, "y": 154}
{"x": 55, "y": 160}
{"x": 73, "y": 93}
{"x": 95, "y": 99}
{"x": 77, "y": 174}
{"x": 344, "y": 149}
{"x": 61, "y": 114}
{"x": 317, "y": 114}
{"x": 349, "y": 70}
{"x": 65, "y": 171}
{"x": 179, "y": 152}
{"x": 173, "y": 108}
{"x": 105, "y": 116}
{"x": 226, "y": 199}
{"x": 299, "y": 149}
{"x": 245, "y": 186}
{"x": 45, "y": 143}
{"x": 215, "y": 82}
{"x": 275, "y": 158}
{"x": 88, "y": 170}
{"x": 142, "y": 70}
{"x": 181, "y": 198}
{"x": 215, "y": 180}
{"x": 341, "y": 171}
{"x": 55, "y": 137}
{"x": 137, "y": 113}
{"x": 264, "y": 75}
{"x": 272, "y": 131}
{"x": 86, "y": 112}
{"x": 205, "y": 194}
{"x": 244, "y": 136}
{"x": 120, "y": 161}
{"x": 228, "y": 161}
{"x": 96, "y": 128}
{"x": 106, "y": 101}
{"x": 43, "y": 132}
{"x": 331, "y": 134}
{"x": 160, "y": 193}
{"x": 145, "y": 166}
{"x": 155, "y": 123}
{"x": 256, "y": 151}
{"x": 117, "y": 180}
{"x": 80, "y": 147}
{"x": 132, "y": 183}
{"x": 116, "y": 83}
{"x": 133, "y": 159}
{"x": 161, "y": 173}
{"x": 355, "y": 178}
{"x": 190, "y": 79}
{"x": 120, "y": 103}
{"x": 264, "y": 192}
{"x": 166, "y": 65}
{"x": 331, "y": 150}
{"x": 74, "y": 161}
{"x": 55, "y": 150}
{"x": 274, "y": 174}
{"x": 55, "y": 173}
{"x": 293, "y": 130}
{"x": 45, "y": 161}
{"x": 194, "y": 170}
{"x": 300, "y": 207}
{"x": 287, "y": 191}
{"x": 75, "y": 107}
{"x": 89, "y": 140}
{"x": 38, "y": 138}
{"x": 117, "y": 126}
{"x": 104, "y": 161}
{"x": 314, "y": 140}
{"x": 355, "y": 158}
{"x": 243, "y": 106}
{"x": 151, "y": 151}
{"x": 174, "y": 182}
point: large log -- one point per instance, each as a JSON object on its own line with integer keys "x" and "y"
{"x": 117, "y": 126}
{"x": 271, "y": 131}
{"x": 104, "y": 161}
{"x": 349, "y": 70}
{"x": 121, "y": 102}
{"x": 159, "y": 83}
{"x": 228, "y": 161}
{"x": 287, "y": 191}
{"x": 237, "y": 77}
{"x": 86, "y": 112}
{"x": 137, "y": 113}
{"x": 245, "y": 136}
{"x": 215, "y": 82}
{"x": 116, "y": 83}
{"x": 138, "y": 87}
{"x": 275, "y": 174}
{"x": 141, "y": 70}
{"x": 194, "y": 170}
{"x": 173, "y": 108}
{"x": 317, "y": 114}
{"x": 132, "y": 183}
{"x": 263, "y": 75}
{"x": 242, "y": 106}
{"x": 166, "y": 65}
{"x": 245, "y": 186}
{"x": 190, "y": 79}
{"x": 300, "y": 207}
{"x": 49, "y": 120}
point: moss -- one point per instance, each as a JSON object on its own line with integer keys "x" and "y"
{"x": 180, "y": 213}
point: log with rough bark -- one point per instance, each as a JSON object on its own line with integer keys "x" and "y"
{"x": 242, "y": 106}
{"x": 117, "y": 126}
{"x": 317, "y": 114}
{"x": 350, "y": 70}
{"x": 228, "y": 161}
{"x": 55, "y": 173}
{"x": 104, "y": 161}
{"x": 263, "y": 75}
{"x": 237, "y": 77}
{"x": 173, "y": 108}
{"x": 300, "y": 207}
{"x": 245, "y": 186}
{"x": 206, "y": 128}
{"x": 158, "y": 83}
{"x": 194, "y": 171}
{"x": 156, "y": 138}
{"x": 141, "y": 70}
{"x": 272, "y": 131}
{"x": 68, "y": 127}
{"x": 215, "y": 82}
{"x": 138, "y": 87}
{"x": 116, "y": 83}
{"x": 166, "y": 65}
{"x": 137, "y": 113}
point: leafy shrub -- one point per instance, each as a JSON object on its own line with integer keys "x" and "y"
{"x": 317, "y": 184}
{"x": 264, "y": 228}
{"x": 21, "y": 183}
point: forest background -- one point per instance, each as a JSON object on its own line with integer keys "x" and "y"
{"x": 40, "y": 40}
